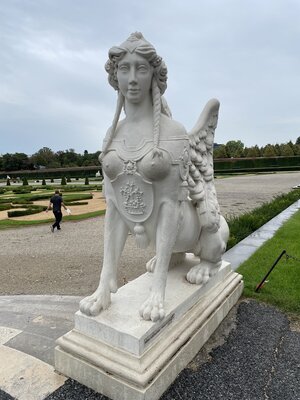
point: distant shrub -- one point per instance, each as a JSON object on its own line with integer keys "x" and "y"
{"x": 21, "y": 191}
{"x": 5, "y": 206}
{"x": 52, "y": 180}
{"x": 76, "y": 203}
{"x": 63, "y": 181}
{"x": 33, "y": 209}
{"x": 86, "y": 182}
{"x": 69, "y": 179}
{"x": 21, "y": 201}
{"x": 7, "y": 182}
{"x": 25, "y": 181}
{"x": 43, "y": 182}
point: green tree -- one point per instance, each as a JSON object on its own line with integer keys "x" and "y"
{"x": 277, "y": 149}
{"x": 252, "y": 151}
{"x": 71, "y": 159}
{"x": 286, "y": 150}
{"x": 234, "y": 148}
{"x": 15, "y": 162}
{"x": 25, "y": 181}
{"x": 63, "y": 181}
{"x": 297, "y": 149}
{"x": 86, "y": 182}
{"x": 220, "y": 152}
{"x": 44, "y": 157}
{"x": 43, "y": 182}
{"x": 298, "y": 140}
{"x": 269, "y": 151}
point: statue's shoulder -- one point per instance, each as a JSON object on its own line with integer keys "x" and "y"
{"x": 118, "y": 128}
{"x": 170, "y": 127}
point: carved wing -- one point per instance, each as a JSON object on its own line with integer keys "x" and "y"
{"x": 201, "y": 171}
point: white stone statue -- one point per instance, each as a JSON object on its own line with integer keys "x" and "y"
{"x": 159, "y": 182}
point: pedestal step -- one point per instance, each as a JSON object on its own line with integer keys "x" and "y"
{"x": 156, "y": 352}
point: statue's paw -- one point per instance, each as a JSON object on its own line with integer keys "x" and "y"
{"x": 92, "y": 305}
{"x": 200, "y": 273}
{"x": 150, "y": 266}
{"x": 153, "y": 308}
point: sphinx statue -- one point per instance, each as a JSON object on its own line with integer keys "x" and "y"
{"x": 158, "y": 179}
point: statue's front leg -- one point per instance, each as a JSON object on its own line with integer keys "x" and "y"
{"x": 166, "y": 232}
{"x": 115, "y": 235}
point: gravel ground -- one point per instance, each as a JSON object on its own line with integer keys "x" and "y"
{"x": 35, "y": 261}
{"x": 259, "y": 360}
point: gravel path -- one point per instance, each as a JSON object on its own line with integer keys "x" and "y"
{"x": 35, "y": 261}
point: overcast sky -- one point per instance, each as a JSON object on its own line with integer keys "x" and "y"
{"x": 54, "y": 90}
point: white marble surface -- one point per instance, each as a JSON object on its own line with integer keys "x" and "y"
{"x": 25, "y": 377}
{"x": 121, "y": 375}
{"x": 121, "y": 325}
{"x": 7, "y": 333}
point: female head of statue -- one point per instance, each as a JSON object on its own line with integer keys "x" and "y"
{"x": 153, "y": 80}
{"x": 138, "y": 45}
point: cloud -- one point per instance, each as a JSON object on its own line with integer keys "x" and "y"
{"x": 54, "y": 89}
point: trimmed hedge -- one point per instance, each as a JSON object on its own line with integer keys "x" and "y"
{"x": 55, "y": 173}
{"x": 5, "y": 206}
{"x": 33, "y": 209}
{"x": 257, "y": 164}
{"x": 76, "y": 203}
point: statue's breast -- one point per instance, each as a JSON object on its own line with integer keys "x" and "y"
{"x": 153, "y": 166}
{"x": 133, "y": 173}
{"x": 112, "y": 165}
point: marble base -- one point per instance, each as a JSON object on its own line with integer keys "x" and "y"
{"x": 126, "y": 358}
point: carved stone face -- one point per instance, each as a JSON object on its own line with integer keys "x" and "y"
{"x": 134, "y": 76}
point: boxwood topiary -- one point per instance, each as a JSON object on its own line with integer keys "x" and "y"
{"x": 32, "y": 209}
{"x": 5, "y": 206}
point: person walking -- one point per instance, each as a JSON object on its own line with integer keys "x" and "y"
{"x": 55, "y": 203}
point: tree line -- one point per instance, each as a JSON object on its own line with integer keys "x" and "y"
{"x": 237, "y": 149}
{"x": 46, "y": 158}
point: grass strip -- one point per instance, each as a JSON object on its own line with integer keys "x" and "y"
{"x": 242, "y": 226}
{"x": 283, "y": 287}
{"x": 10, "y": 223}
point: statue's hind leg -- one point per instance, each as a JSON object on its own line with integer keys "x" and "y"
{"x": 115, "y": 235}
{"x": 212, "y": 246}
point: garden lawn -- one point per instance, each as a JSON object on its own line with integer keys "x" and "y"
{"x": 18, "y": 203}
{"x": 283, "y": 287}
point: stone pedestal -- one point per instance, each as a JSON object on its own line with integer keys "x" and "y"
{"x": 126, "y": 358}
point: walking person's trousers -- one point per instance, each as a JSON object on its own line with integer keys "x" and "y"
{"x": 58, "y": 218}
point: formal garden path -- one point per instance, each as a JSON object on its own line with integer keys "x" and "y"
{"x": 95, "y": 204}
{"x": 35, "y": 261}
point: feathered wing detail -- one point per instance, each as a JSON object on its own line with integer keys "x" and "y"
{"x": 201, "y": 172}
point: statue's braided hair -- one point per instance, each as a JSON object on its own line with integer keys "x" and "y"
{"x": 136, "y": 43}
